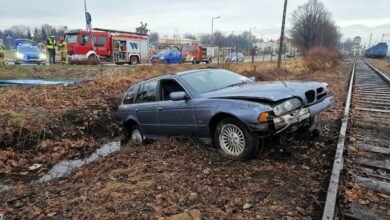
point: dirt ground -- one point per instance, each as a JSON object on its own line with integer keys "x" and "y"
{"x": 48, "y": 124}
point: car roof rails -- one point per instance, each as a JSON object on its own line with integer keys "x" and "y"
{"x": 209, "y": 67}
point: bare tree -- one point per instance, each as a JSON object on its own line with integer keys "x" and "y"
{"x": 313, "y": 26}
{"x": 153, "y": 37}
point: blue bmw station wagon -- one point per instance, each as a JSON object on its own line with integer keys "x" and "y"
{"x": 230, "y": 110}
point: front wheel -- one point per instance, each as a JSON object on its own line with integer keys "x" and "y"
{"x": 234, "y": 140}
{"x": 93, "y": 60}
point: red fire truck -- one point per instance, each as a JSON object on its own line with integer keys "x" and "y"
{"x": 195, "y": 54}
{"x": 106, "y": 46}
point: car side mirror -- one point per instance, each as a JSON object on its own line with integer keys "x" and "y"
{"x": 178, "y": 96}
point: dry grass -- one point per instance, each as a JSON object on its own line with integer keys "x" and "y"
{"x": 381, "y": 64}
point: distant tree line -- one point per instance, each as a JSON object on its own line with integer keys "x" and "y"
{"x": 243, "y": 41}
{"x": 26, "y": 32}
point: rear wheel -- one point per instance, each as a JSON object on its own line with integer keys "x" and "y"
{"x": 234, "y": 140}
{"x": 134, "y": 60}
{"x": 136, "y": 135}
{"x": 194, "y": 61}
{"x": 168, "y": 62}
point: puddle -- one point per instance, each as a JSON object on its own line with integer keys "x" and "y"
{"x": 65, "y": 167}
{"x": 5, "y": 188}
{"x": 35, "y": 82}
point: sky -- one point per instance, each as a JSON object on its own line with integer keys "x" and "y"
{"x": 354, "y": 17}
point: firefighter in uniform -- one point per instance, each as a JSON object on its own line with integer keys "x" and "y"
{"x": 51, "y": 47}
{"x": 63, "y": 51}
{"x": 2, "y": 47}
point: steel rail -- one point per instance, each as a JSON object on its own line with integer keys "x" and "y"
{"x": 331, "y": 196}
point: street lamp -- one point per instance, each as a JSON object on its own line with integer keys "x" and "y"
{"x": 212, "y": 27}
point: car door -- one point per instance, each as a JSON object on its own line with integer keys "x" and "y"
{"x": 175, "y": 118}
{"x": 145, "y": 108}
{"x": 174, "y": 56}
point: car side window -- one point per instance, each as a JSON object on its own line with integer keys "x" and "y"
{"x": 167, "y": 86}
{"x": 131, "y": 94}
{"x": 148, "y": 92}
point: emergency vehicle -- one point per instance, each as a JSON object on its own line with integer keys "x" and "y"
{"x": 114, "y": 46}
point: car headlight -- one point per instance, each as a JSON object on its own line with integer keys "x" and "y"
{"x": 287, "y": 106}
{"x": 161, "y": 58}
{"x": 19, "y": 55}
{"x": 42, "y": 56}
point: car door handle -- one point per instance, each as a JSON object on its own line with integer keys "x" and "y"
{"x": 159, "y": 109}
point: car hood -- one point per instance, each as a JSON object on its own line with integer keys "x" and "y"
{"x": 270, "y": 91}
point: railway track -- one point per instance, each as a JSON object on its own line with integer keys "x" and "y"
{"x": 360, "y": 183}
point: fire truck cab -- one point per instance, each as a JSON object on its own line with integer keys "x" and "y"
{"x": 106, "y": 46}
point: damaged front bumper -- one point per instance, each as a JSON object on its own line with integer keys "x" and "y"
{"x": 302, "y": 117}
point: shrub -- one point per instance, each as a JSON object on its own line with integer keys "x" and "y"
{"x": 320, "y": 58}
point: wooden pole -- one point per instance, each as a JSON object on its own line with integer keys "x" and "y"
{"x": 282, "y": 35}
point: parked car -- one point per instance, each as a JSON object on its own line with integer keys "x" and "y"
{"x": 166, "y": 56}
{"x": 234, "y": 56}
{"x": 290, "y": 54}
{"x": 215, "y": 104}
{"x": 29, "y": 54}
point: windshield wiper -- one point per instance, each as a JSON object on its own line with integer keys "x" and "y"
{"x": 234, "y": 84}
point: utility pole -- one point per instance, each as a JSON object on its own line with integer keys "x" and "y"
{"x": 282, "y": 34}
{"x": 251, "y": 49}
{"x": 85, "y": 13}
{"x": 369, "y": 44}
{"x": 212, "y": 28}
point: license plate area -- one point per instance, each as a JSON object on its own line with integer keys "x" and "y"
{"x": 291, "y": 118}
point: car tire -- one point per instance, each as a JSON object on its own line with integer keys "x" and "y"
{"x": 167, "y": 62}
{"x": 93, "y": 60}
{"x": 234, "y": 140}
{"x": 134, "y": 60}
{"x": 194, "y": 61}
{"x": 136, "y": 135}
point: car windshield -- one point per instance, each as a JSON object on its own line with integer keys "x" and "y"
{"x": 28, "y": 50}
{"x": 211, "y": 80}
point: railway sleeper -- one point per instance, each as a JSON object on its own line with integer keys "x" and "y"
{"x": 357, "y": 211}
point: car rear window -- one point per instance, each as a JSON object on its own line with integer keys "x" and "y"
{"x": 131, "y": 94}
{"x": 148, "y": 92}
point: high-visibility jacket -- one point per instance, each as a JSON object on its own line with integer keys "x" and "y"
{"x": 51, "y": 43}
